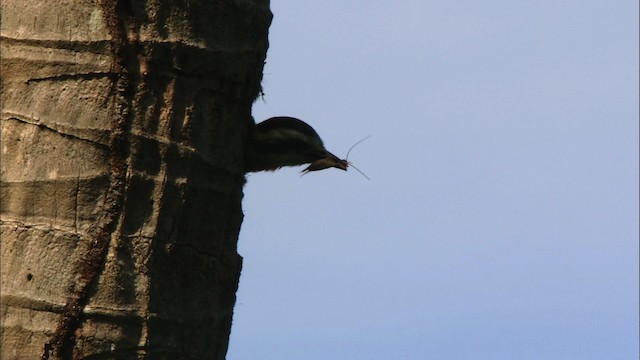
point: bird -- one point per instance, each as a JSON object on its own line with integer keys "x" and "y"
{"x": 286, "y": 141}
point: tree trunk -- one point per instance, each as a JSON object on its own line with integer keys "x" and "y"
{"x": 123, "y": 129}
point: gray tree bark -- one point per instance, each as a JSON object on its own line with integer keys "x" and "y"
{"x": 123, "y": 129}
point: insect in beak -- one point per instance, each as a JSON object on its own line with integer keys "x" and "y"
{"x": 331, "y": 160}
{"x": 328, "y": 161}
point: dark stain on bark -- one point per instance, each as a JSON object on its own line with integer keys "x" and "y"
{"x": 118, "y": 16}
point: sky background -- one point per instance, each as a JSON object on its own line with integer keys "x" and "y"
{"x": 501, "y": 219}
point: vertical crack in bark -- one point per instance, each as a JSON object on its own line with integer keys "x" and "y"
{"x": 116, "y": 15}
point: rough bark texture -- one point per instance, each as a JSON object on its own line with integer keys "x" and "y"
{"x": 123, "y": 126}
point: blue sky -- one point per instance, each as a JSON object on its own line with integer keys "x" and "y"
{"x": 501, "y": 219}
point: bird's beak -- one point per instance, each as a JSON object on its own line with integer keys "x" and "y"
{"x": 336, "y": 162}
{"x": 326, "y": 162}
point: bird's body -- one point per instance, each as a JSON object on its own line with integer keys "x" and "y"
{"x": 286, "y": 141}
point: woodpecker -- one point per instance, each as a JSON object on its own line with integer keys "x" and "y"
{"x": 286, "y": 141}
